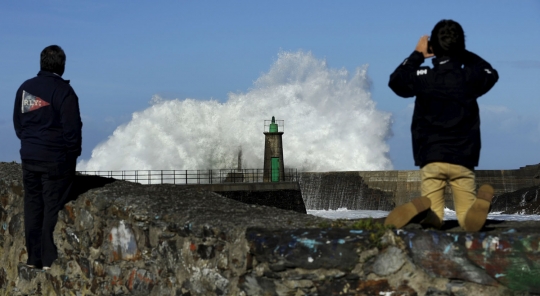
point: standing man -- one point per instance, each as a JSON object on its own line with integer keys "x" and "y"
{"x": 48, "y": 123}
{"x": 445, "y": 126}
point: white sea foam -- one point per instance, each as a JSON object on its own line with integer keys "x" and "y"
{"x": 344, "y": 213}
{"x": 331, "y": 123}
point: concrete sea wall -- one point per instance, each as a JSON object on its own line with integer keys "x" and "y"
{"x": 282, "y": 195}
{"x": 382, "y": 190}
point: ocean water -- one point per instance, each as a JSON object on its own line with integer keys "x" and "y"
{"x": 343, "y": 213}
{"x": 331, "y": 124}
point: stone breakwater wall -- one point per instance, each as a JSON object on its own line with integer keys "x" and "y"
{"x": 282, "y": 195}
{"x": 120, "y": 238}
{"x": 383, "y": 190}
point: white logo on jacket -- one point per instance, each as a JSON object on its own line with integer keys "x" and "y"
{"x": 31, "y": 103}
{"x": 421, "y": 72}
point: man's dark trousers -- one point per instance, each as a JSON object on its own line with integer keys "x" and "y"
{"x": 47, "y": 186}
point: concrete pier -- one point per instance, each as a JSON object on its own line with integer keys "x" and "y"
{"x": 366, "y": 189}
{"x": 281, "y": 195}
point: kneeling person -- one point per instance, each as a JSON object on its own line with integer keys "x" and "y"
{"x": 445, "y": 126}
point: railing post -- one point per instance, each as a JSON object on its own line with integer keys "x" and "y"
{"x": 186, "y": 177}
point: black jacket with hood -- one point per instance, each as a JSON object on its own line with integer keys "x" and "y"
{"x": 446, "y": 120}
{"x": 47, "y": 119}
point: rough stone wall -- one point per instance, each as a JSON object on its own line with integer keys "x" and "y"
{"x": 120, "y": 238}
{"x": 126, "y": 238}
{"x": 347, "y": 262}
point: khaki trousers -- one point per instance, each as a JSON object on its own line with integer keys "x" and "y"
{"x": 435, "y": 176}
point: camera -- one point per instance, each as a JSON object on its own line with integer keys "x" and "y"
{"x": 429, "y": 47}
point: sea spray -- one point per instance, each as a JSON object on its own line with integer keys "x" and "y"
{"x": 331, "y": 124}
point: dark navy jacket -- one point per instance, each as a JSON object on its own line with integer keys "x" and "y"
{"x": 47, "y": 119}
{"x": 446, "y": 120}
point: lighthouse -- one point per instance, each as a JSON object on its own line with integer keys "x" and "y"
{"x": 274, "y": 170}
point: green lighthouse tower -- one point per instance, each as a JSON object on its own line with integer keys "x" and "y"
{"x": 274, "y": 170}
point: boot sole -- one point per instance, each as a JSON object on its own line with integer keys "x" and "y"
{"x": 477, "y": 214}
{"x": 403, "y": 214}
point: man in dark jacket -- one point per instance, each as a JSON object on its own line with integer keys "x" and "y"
{"x": 48, "y": 123}
{"x": 445, "y": 126}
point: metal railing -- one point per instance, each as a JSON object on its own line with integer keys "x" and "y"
{"x": 192, "y": 176}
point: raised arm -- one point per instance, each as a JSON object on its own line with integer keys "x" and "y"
{"x": 402, "y": 80}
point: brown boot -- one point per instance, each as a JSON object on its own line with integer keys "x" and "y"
{"x": 403, "y": 214}
{"x": 477, "y": 214}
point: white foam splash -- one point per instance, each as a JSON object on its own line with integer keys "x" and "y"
{"x": 331, "y": 123}
{"x": 344, "y": 213}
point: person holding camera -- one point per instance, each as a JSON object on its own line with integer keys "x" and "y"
{"x": 445, "y": 127}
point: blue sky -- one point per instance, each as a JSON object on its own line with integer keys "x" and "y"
{"x": 121, "y": 53}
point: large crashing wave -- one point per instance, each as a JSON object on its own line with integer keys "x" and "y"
{"x": 331, "y": 124}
